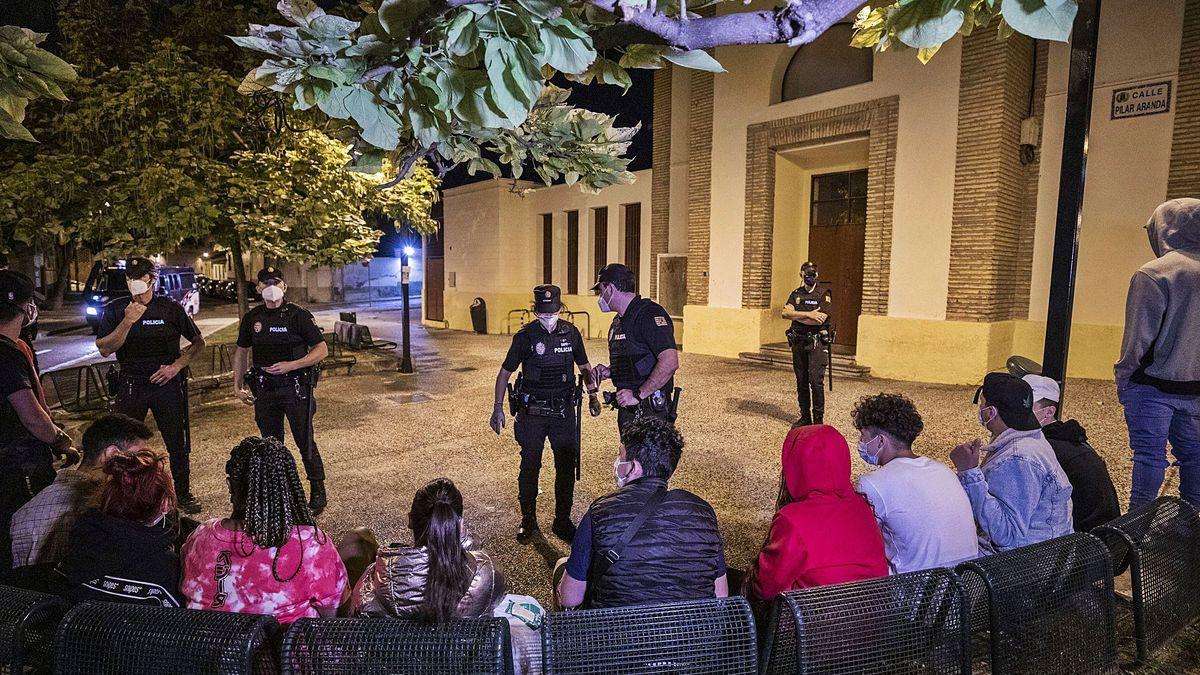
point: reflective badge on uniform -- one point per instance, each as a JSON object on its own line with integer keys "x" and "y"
{"x": 540, "y": 348}
{"x": 660, "y": 321}
{"x": 257, "y": 326}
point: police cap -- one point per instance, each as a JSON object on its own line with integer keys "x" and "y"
{"x": 136, "y": 268}
{"x": 268, "y": 273}
{"x": 547, "y": 299}
{"x": 617, "y": 275}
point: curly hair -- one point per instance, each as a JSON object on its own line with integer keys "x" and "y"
{"x": 655, "y": 444}
{"x": 893, "y": 413}
{"x": 266, "y": 493}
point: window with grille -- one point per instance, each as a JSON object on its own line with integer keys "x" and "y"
{"x": 547, "y": 248}
{"x": 839, "y": 199}
{"x": 572, "y": 252}
{"x": 633, "y": 240}
{"x": 600, "y": 240}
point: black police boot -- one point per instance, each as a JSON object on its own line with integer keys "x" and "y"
{"x": 564, "y": 529}
{"x": 528, "y": 527}
{"x": 316, "y": 496}
{"x": 189, "y": 504}
{"x": 802, "y": 422}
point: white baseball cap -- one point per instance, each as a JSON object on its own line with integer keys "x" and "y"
{"x": 1044, "y": 388}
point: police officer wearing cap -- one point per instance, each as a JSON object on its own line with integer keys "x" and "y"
{"x": 544, "y": 401}
{"x": 143, "y": 330}
{"x": 809, "y": 337}
{"x": 280, "y": 378}
{"x": 641, "y": 346}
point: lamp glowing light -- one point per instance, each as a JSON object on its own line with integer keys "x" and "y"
{"x": 408, "y": 251}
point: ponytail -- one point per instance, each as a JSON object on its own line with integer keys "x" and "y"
{"x": 436, "y": 520}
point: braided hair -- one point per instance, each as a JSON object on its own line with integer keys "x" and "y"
{"x": 436, "y": 522}
{"x": 267, "y": 496}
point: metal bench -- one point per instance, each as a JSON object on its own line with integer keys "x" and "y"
{"x": 1159, "y": 544}
{"x": 338, "y": 358}
{"x": 387, "y": 645}
{"x": 27, "y": 622}
{"x": 909, "y": 623}
{"x": 699, "y": 636}
{"x": 1049, "y": 606}
{"x": 104, "y": 638}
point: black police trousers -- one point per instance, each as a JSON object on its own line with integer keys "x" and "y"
{"x": 275, "y": 402}
{"x": 809, "y": 365}
{"x": 531, "y": 433}
{"x": 169, "y": 404}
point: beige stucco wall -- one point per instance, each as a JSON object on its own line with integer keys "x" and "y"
{"x": 493, "y": 241}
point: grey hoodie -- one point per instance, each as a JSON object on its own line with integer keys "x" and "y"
{"x": 1161, "y": 345}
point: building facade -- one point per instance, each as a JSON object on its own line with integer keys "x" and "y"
{"x": 926, "y": 193}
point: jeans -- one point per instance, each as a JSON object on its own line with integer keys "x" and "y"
{"x": 1154, "y": 418}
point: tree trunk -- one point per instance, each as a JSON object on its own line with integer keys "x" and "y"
{"x": 62, "y": 262}
{"x": 239, "y": 275}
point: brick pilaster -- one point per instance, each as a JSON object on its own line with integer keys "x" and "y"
{"x": 660, "y": 177}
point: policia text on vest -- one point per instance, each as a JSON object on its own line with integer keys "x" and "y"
{"x": 546, "y": 404}
{"x": 276, "y": 368}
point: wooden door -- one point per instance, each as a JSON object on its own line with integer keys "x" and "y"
{"x": 836, "y": 237}
{"x": 435, "y": 302}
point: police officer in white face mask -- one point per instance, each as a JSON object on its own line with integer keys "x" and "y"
{"x": 143, "y": 330}
{"x": 279, "y": 347}
{"x": 544, "y": 400}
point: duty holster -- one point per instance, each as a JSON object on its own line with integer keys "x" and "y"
{"x": 555, "y": 406}
{"x": 302, "y": 382}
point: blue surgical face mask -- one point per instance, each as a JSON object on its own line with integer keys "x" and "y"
{"x": 864, "y": 450}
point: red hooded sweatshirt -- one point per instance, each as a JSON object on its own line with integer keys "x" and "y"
{"x": 827, "y": 535}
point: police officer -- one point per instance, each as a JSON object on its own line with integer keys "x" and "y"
{"x": 287, "y": 346}
{"x": 545, "y": 350}
{"x": 143, "y": 330}
{"x": 809, "y": 336}
{"x": 641, "y": 346}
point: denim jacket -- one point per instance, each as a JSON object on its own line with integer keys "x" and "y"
{"x": 1019, "y": 494}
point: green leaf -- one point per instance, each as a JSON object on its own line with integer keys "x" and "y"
{"x": 334, "y": 104}
{"x": 11, "y": 129}
{"x": 925, "y": 28}
{"x": 462, "y": 35}
{"x": 326, "y": 72}
{"x": 697, "y": 59}
{"x": 299, "y": 12}
{"x": 643, "y": 56}
{"x": 330, "y": 26}
{"x": 1040, "y": 19}
{"x": 397, "y": 16}
{"x": 379, "y": 127}
{"x": 565, "y": 51}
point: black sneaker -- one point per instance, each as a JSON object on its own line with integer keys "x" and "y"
{"x": 801, "y": 423}
{"x": 528, "y": 528}
{"x": 316, "y": 497}
{"x": 564, "y": 529}
{"x": 189, "y": 504}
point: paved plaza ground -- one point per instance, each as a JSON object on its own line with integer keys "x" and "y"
{"x": 383, "y": 435}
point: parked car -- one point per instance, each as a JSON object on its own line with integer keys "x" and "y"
{"x": 107, "y": 283}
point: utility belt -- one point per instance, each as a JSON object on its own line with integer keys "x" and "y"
{"x": 809, "y": 340}
{"x": 559, "y": 406}
{"x": 301, "y": 382}
{"x": 658, "y": 404}
{"x": 118, "y": 380}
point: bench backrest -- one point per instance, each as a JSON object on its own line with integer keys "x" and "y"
{"x": 104, "y": 637}
{"x": 388, "y": 645}
{"x": 700, "y": 636}
{"x": 27, "y": 622}
{"x": 1049, "y": 606}
{"x": 1160, "y": 544}
{"x": 909, "y": 623}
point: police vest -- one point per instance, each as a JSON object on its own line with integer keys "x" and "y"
{"x": 632, "y": 359}
{"x": 153, "y": 340}
{"x": 672, "y": 558}
{"x": 547, "y": 365}
{"x": 274, "y": 334}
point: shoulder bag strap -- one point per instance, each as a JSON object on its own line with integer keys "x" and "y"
{"x": 612, "y": 555}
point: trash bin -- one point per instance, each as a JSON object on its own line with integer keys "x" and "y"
{"x": 348, "y": 317}
{"x": 479, "y": 315}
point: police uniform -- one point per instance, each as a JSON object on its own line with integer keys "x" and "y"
{"x": 545, "y": 405}
{"x": 635, "y": 340}
{"x": 285, "y": 333}
{"x": 153, "y": 342}
{"x": 809, "y": 353}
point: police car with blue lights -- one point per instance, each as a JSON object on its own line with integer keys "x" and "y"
{"x": 107, "y": 282}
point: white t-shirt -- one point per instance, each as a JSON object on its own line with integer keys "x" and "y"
{"x": 923, "y": 513}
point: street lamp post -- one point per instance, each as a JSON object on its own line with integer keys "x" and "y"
{"x": 406, "y": 365}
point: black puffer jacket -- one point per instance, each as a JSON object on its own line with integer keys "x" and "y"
{"x": 673, "y": 557}
{"x": 117, "y": 560}
{"x": 1093, "y": 497}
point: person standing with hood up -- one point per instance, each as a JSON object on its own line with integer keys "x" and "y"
{"x": 823, "y": 531}
{"x": 1158, "y": 374}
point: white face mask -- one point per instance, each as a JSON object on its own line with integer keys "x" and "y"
{"x": 604, "y": 306}
{"x": 548, "y": 321}
{"x": 864, "y": 450}
{"x": 31, "y": 314}
{"x": 273, "y": 293}
{"x": 137, "y": 286}
{"x": 991, "y": 417}
{"x": 621, "y": 480}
